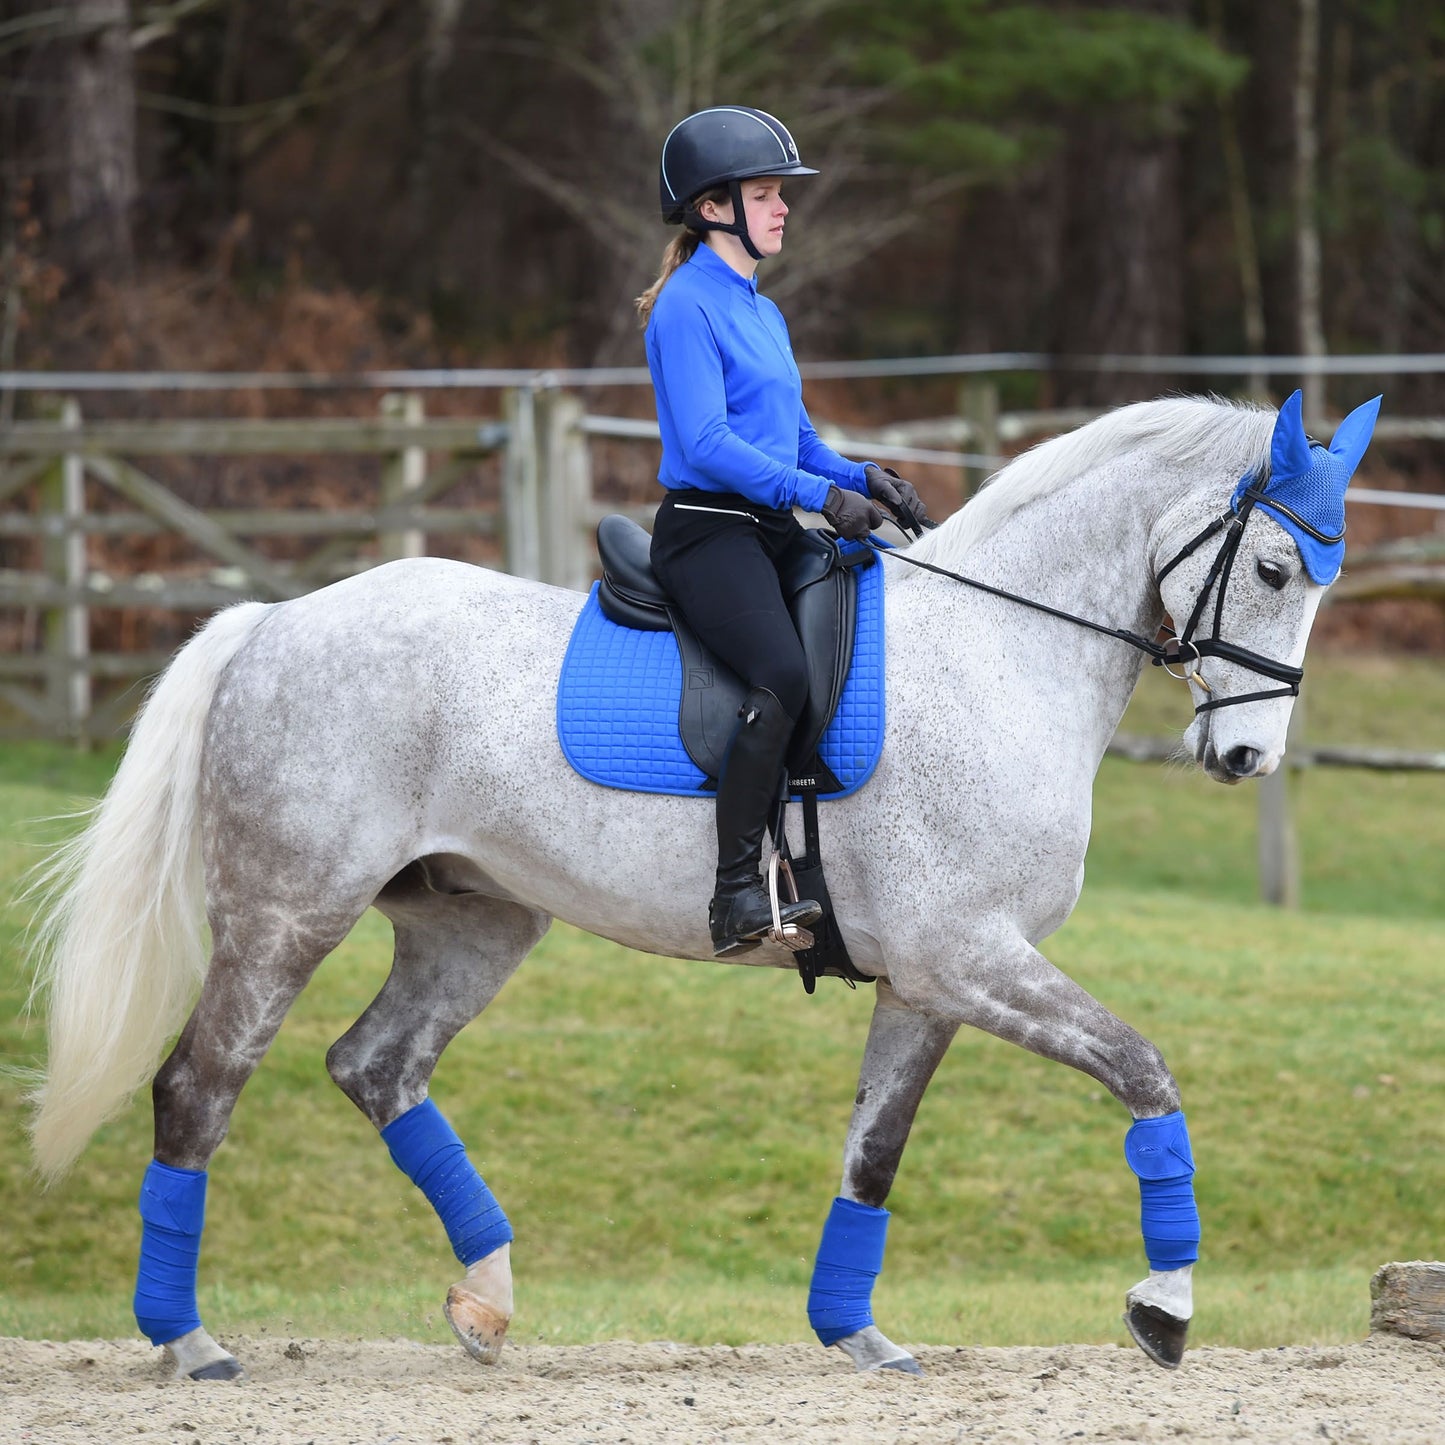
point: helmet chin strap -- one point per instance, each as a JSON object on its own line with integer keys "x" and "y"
{"x": 738, "y": 226}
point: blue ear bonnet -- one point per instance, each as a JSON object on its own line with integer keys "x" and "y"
{"x": 1304, "y": 489}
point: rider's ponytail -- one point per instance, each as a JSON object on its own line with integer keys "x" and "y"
{"x": 679, "y": 252}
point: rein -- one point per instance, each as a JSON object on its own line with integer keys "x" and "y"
{"x": 1180, "y": 649}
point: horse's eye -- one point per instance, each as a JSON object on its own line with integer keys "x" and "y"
{"x": 1271, "y": 574}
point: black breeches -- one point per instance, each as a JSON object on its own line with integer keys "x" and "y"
{"x": 716, "y": 553}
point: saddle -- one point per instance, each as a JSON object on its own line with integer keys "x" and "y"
{"x": 820, "y": 587}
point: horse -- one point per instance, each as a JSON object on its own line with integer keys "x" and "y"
{"x": 389, "y": 741}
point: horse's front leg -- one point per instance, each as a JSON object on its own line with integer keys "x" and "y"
{"x": 904, "y": 1048}
{"x": 1015, "y": 993}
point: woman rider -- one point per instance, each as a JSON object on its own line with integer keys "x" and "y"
{"x": 738, "y": 454}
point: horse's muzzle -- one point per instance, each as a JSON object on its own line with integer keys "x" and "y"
{"x": 1235, "y": 765}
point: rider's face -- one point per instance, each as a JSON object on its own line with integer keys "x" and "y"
{"x": 765, "y": 209}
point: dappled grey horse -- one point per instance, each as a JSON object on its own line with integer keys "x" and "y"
{"x": 390, "y": 741}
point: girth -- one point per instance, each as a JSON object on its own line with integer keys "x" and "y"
{"x": 820, "y": 588}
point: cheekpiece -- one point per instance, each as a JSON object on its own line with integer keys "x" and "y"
{"x": 1304, "y": 489}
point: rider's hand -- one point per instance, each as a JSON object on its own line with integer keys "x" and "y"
{"x": 898, "y": 496}
{"x": 850, "y": 513}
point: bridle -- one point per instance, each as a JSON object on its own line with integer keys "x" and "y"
{"x": 1183, "y": 650}
{"x": 1232, "y": 522}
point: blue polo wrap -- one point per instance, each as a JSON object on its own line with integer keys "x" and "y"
{"x": 1158, "y": 1152}
{"x": 173, "y": 1213}
{"x": 426, "y": 1149}
{"x": 850, "y": 1258}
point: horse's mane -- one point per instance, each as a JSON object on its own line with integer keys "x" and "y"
{"x": 1181, "y": 431}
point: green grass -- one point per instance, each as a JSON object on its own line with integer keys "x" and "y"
{"x": 666, "y": 1136}
{"x": 1370, "y": 842}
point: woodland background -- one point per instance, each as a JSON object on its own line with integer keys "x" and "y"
{"x": 479, "y": 177}
{"x": 342, "y": 184}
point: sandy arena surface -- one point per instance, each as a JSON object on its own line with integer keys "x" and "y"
{"x": 1385, "y": 1390}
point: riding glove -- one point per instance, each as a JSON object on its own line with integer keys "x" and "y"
{"x": 851, "y": 514}
{"x": 898, "y": 496}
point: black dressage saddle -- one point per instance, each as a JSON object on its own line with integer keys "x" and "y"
{"x": 821, "y": 589}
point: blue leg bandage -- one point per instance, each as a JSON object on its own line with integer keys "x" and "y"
{"x": 173, "y": 1213}
{"x": 850, "y": 1258}
{"x": 426, "y": 1149}
{"x": 1158, "y": 1152}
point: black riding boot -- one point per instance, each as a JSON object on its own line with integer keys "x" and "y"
{"x": 741, "y": 911}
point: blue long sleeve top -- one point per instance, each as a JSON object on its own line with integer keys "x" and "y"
{"x": 729, "y": 396}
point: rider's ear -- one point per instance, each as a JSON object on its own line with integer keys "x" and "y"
{"x": 1289, "y": 452}
{"x": 1354, "y": 433}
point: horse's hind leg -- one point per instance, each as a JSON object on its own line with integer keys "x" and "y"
{"x": 453, "y": 953}
{"x": 258, "y": 966}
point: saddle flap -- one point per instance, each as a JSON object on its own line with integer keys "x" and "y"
{"x": 712, "y": 696}
{"x": 821, "y": 593}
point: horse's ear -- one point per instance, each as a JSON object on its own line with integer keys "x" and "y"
{"x": 1289, "y": 452}
{"x": 1354, "y": 433}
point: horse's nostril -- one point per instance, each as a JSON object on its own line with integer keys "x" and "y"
{"x": 1242, "y": 761}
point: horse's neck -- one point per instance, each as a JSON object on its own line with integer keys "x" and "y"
{"x": 1083, "y": 550}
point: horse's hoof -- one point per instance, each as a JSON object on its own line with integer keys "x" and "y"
{"x": 228, "y": 1369}
{"x": 908, "y": 1365}
{"x": 480, "y": 1327}
{"x": 196, "y": 1356}
{"x": 870, "y": 1349}
{"x": 1159, "y": 1334}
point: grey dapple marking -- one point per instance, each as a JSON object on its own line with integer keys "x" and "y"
{"x": 391, "y": 740}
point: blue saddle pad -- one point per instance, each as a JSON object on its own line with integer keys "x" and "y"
{"x": 620, "y": 689}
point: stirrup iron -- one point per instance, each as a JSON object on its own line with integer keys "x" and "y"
{"x": 791, "y": 935}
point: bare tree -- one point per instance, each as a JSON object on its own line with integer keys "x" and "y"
{"x": 1246, "y": 246}
{"x": 93, "y": 133}
{"x": 648, "y": 63}
{"x": 429, "y": 111}
{"x": 1307, "y": 231}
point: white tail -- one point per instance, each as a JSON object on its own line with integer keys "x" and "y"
{"x": 119, "y": 946}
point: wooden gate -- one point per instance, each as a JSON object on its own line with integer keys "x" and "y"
{"x": 50, "y": 688}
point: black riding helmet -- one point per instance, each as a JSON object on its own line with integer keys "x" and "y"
{"x": 722, "y": 146}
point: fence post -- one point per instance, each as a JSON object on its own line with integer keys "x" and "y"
{"x": 519, "y": 485}
{"x": 1279, "y": 861}
{"x": 401, "y": 474}
{"x": 564, "y": 489}
{"x": 67, "y": 624}
{"x": 978, "y": 402}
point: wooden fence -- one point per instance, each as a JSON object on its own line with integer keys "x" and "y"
{"x": 56, "y": 457}
{"x": 544, "y": 523}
